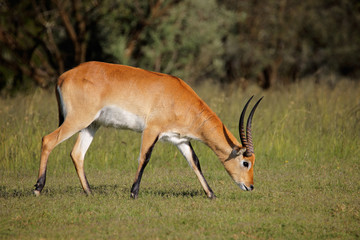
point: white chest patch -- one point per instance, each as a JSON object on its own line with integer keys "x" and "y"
{"x": 174, "y": 138}
{"x": 112, "y": 116}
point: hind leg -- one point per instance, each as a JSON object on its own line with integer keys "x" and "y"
{"x": 78, "y": 154}
{"x": 49, "y": 142}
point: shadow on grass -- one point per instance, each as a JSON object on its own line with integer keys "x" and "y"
{"x": 173, "y": 193}
{"x": 104, "y": 190}
{"x": 107, "y": 189}
{"x": 6, "y": 192}
{"x": 14, "y": 193}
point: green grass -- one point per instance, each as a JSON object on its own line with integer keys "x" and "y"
{"x": 307, "y": 174}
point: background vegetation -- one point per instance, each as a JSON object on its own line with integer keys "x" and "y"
{"x": 268, "y": 42}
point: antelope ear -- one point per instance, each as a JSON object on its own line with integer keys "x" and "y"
{"x": 237, "y": 151}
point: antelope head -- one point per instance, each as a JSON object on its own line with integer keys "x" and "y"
{"x": 242, "y": 160}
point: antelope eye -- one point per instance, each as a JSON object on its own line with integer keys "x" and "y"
{"x": 246, "y": 164}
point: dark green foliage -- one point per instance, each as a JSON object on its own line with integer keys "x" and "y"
{"x": 270, "y": 42}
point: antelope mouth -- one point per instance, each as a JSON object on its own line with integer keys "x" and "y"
{"x": 244, "y": 187}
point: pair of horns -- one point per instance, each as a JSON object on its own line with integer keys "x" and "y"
{"x": 246, "y": 140}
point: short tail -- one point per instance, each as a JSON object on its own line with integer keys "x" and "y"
{"x": 61, "y": 105}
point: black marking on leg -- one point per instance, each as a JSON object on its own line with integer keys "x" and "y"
{"x": 136, "y": 185}
{"x": 61, "y": 106}
{"x": 135, "y": 190}
{"x": 40, "y": 183}
{"x": 195, "y": 158}
{"x": 197, "y": 163}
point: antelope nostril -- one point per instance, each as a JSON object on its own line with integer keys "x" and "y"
{"x": 244, "y": 187}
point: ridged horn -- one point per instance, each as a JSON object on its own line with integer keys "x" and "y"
{"x": 250, "y": 146}
{"x": 241, "y": 125}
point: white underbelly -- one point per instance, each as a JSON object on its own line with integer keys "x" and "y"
{"x": 112, "y": 116}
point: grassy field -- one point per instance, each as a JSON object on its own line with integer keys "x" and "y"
{"x": 307, "y": 174}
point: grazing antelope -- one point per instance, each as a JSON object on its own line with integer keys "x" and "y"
{"x": 160, "y": 106}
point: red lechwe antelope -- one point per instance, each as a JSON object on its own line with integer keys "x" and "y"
{"x": 160, "y": 106}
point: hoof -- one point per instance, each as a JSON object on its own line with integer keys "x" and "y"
{"x": 133, "y": 196}
{"x": 211, "y": 196}
{"x": 88, "y": 193}
{"x": 36, "y": 193}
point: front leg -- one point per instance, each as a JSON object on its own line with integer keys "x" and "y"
{"x": 148, "y": 141}
{"x": 189, "y": 154}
